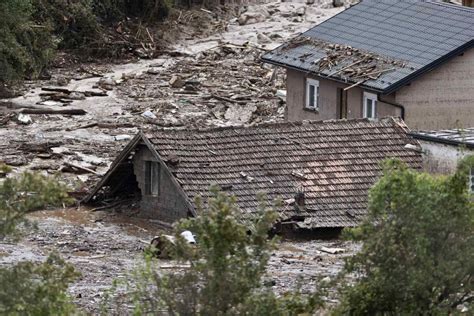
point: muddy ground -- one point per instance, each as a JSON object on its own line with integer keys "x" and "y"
{"x": 205, "y": 79}
{"x": 105, "y": 246}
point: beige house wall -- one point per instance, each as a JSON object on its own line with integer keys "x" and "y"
{"x": 442, "y": 98}
{"x": 328, "y": 100}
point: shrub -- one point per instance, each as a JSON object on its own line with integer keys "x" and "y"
{"x": 25, "y": 47}
{"x": 418, "y": 252}
{"x": 225, "y": 269}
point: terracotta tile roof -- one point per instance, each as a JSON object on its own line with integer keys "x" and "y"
{"x": 333, "y": 162}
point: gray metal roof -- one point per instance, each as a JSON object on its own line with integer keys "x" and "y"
{"x": 458, "y": 137}
{"x": 414, "y": 35}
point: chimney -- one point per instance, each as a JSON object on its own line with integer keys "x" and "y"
{"x": 468, "y": 3}
{"x": 299, "y": 201}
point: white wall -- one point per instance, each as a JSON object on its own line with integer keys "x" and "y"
{"x": 440, "y": 158}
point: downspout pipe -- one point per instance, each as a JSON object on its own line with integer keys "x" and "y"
{"x": 397, "y": 105}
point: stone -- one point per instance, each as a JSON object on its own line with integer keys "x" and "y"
{"x": 263, "y": 39}
{"x": 76, "y": 96}
{"x": 176, "y": 82}
{"x": 24, "y": 119}
{"x": 301, "y": 11}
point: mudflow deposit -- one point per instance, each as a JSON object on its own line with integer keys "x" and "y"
{"x": 73, "y": 125}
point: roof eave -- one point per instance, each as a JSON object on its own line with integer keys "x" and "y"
{"x": 440, "y": 140}
{"x": 401, "y": 83}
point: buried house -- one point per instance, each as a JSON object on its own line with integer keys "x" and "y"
{"x": 408, "y": 58}
{"x": 322, "y": 171}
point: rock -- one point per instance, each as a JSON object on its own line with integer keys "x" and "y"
{"x": 107, "y": 83}
{"x": 252, "y": 17}
{"x": 153, "y": 71}
{"x": 240, "y": 114}
{"x": 149, "y": 114}
{"x": 24, "y": 119}
{"x": 309, "y": 1}
{"x": 76, "y": 96}
{"x": 281, "y": 94}
{"x": 301, "y": 11}
{"x": 337, "y": 3}
{"x": 263, "y": 39}
{"x": 176, "y": 82}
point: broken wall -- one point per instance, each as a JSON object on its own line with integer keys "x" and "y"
{"x": 169, "y": 205}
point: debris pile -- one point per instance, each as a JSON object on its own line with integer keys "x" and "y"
{"x": 224, "y": 85}
{"x": 343, "y": 61}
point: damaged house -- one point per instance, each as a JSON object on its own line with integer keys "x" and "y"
{"x": 410, "y": 59}
{"x": 322, "y": 171}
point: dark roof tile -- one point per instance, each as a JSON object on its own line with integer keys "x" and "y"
{"x": 338, "y": 161}
{"x": 418, "y": 33}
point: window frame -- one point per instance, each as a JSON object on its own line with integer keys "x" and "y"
{"x": 374, "y": 99}
{"x": 315, "y": 83}
{"x": 152, "y": 178}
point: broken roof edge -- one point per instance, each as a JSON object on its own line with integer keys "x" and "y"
{"x": 319, "y": 75}
{"x": 394, "y": 86}
{"x": 140, "y": 137}
{"x": 396, "y": 120}
{"x": 113, "y": 166}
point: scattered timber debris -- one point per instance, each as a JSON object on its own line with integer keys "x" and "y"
{"x": 344, "y": 61}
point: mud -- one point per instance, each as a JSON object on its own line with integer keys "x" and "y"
{"x": 219, "y": 82}
{"x": 105, "y": 246}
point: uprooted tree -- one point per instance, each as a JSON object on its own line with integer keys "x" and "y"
{"x": 223, "y": 273}
{"x": 418, "y": 251}
{"x": 29, "y": 288}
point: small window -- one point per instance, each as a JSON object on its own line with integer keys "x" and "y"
{"x": 312, "y": 94}
{"x": 471, "y": 180}
{"x": 152, "y": 178}
{"x": 370, "y": 105}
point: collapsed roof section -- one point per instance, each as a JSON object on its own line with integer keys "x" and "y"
{"x": 380, "y": 44}
{"x": 322, "y": 171}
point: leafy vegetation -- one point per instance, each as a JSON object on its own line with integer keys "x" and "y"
{"x": 25, "y": 47}
{"x": 418, "y": 252}
{"x": 225, "y": 269}
{"x": 30, "y": 288}
{"x": 31, "y": 30}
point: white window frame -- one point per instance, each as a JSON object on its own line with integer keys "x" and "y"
{"x": 315, "y": 83}
{"x": 373, "y": 97}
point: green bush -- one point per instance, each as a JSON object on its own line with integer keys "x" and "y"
{"x": 225, "y": 270}
{"x": 25, "y": 47}
{"x": 418, "y": 252}
{"x": 32, "y": 288}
